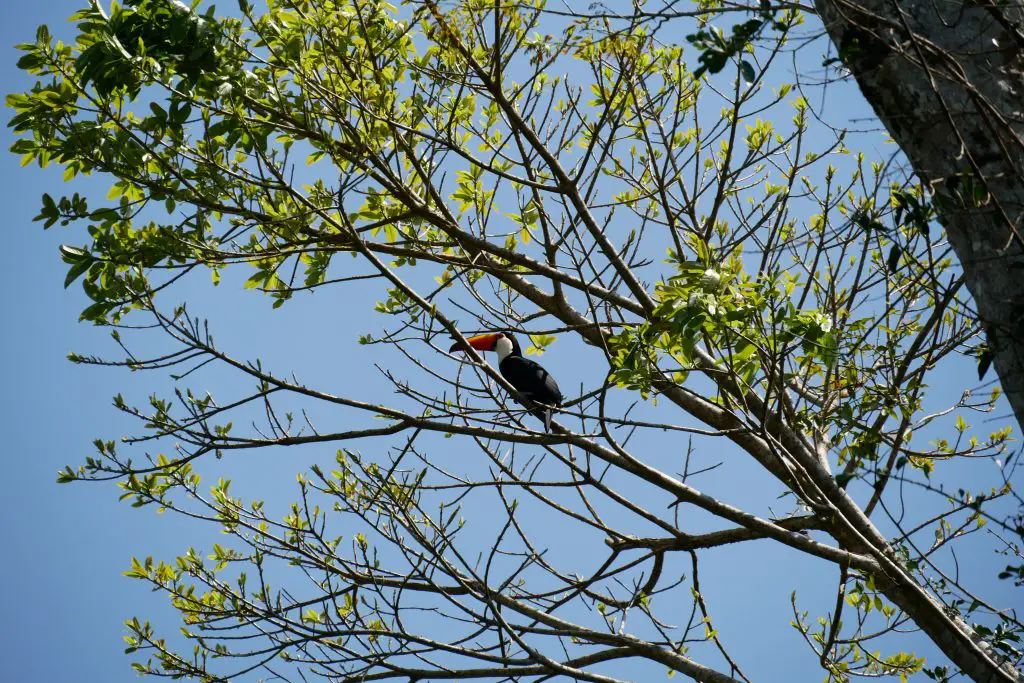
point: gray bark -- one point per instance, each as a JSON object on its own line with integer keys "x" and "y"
{"x": 947, "y": 80}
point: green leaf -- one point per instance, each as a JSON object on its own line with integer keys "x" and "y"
{"x": 829, "y": 349}
{"x": 73, "y": 254}
{"x": 77, "y": 270}
{"x": 540, "y": 344}
{"x": 893, "y": 262}
{"x": 49, "y": 212}
{"x": 747, "y": 71}
{"x": 95, "y": 312}
{"x": 984, "y": 362}
{"x": 257, "y": 279}
{"x": 29, "y": 62}
{"x": 868, "y": 223}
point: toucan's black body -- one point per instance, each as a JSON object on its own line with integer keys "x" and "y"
{"x": 530, "y": 379}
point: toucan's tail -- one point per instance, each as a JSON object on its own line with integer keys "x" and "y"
{"x": 544, "y": 413}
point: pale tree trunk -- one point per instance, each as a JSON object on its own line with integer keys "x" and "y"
{"x": 947, "y": 80}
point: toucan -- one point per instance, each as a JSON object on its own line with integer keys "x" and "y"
{"x": 530, "y": 379}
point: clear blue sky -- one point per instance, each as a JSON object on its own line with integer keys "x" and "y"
{"x": 66, "y": 546}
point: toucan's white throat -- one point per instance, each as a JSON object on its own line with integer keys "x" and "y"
{"x": 503, "y": 347}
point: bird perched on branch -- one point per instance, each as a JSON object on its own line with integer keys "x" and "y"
{"x": 535, "y": 384}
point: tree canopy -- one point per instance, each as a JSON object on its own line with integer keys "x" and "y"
{"x": 755, "y": 300}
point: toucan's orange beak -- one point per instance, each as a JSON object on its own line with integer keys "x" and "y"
{"x": 481, "y": 342}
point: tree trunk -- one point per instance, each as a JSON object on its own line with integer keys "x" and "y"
{"x": 947, "y": 80}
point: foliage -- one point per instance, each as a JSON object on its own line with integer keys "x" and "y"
{"x": 802, "y": 302}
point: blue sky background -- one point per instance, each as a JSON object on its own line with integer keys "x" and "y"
{"x": 67, "y": 546}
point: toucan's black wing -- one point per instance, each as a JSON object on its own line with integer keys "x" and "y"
{"x": 535, "y": 384}
{"x": 531, "y": 380}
